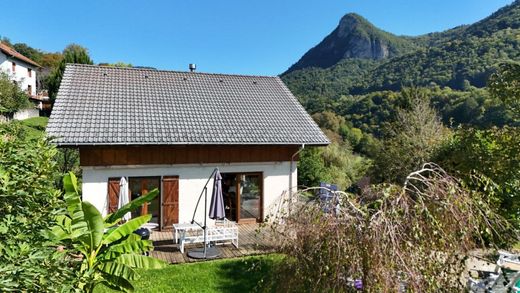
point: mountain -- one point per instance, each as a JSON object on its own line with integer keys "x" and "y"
{"x": 358, "y": 58}
{"x": 354, "y": 37}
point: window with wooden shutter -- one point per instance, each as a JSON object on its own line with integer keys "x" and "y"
{"x": 113, "y": 194}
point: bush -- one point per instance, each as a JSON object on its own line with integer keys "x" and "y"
{"x": 392, "y": 238}
{"x": 335, "y": 164}
{"x": 28, "y": 205}
{"x": 12, "y": 98}
{"x": 490, "y": 154}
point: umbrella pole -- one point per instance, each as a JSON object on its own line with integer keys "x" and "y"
{"x": 205, "y": 211}
{"x": 206, "y": 251}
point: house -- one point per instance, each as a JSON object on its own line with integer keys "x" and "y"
{"x": 170, "y": 129}
{"x": 22, "y": 71}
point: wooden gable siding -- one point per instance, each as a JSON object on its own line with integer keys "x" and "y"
{"x": 150, "y": 155}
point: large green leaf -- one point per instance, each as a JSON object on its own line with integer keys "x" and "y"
{"x": 71, "y": 196}
{"x": 95, "y": 226}
{"x": 131, "y": 206}
{"x": 128, "y": 246}
{"x": 78, "y": 224}
{"x": 117, "y": 283}
{"x": 141, "y": 261}
{"x": 119, "y": 269}
{"x": 125, "y": 229}
{"x": 70, "y": 183}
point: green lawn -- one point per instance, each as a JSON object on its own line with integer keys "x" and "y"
{"x": 230, "y": 275}
{"x": 35, "y": 126}
{"x": 36, "y": 122}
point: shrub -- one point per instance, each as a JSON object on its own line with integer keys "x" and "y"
{"x": 12, "y": 98}
{"x": 28, "y": 205}
{"x": 490, "y": 154}
{"x": 392, "y": 238}
{"x": 335, "y": 164}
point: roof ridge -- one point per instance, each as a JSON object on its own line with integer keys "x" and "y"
{"x": 173, "y": 71}
{"x": 12, "y": 51}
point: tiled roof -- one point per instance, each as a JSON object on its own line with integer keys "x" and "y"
{"x": 98, "y": 105}
{"x": 12, "y": 53}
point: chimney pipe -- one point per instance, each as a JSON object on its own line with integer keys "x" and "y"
{"x": 192, "y": 67}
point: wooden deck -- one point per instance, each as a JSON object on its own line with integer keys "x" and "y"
{"x": 252, "y": 240}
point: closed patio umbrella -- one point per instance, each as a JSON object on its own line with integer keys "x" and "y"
{"x": 216, "y": 208}
{"x": 216, "y": 212}
{"x": 123, "y": 197}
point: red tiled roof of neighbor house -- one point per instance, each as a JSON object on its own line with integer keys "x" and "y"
{"x": 12, "y": 53}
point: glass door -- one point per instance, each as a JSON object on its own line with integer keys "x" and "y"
{"x": 140, "y": 186}
{"x": 243, "y": 196}
{"x": 250, "y": 197}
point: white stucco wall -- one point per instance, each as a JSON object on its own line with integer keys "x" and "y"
{"x": 20, "y": 75}
{"x": 191, "y": 181}
{"x": 26, "y": 113}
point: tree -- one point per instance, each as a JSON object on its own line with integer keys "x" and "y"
{"x": 410, "y": 141}
{"x": 490, "y": 154}
{"x": 28, "y": 51}
{"x": 72, "y": 54}
{"x": 505, "y": 84}
{"x": 335, "y": 164}
{"x": 12, "y": 98}
{"x": 117, "y": 64}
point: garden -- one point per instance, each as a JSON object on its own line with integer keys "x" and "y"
{"x": 413, "y": 230}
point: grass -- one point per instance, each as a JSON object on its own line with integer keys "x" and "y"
{"x": 34, "y": 127}
{"x": 38, "y": 123}
{"x": 229, "y": 275}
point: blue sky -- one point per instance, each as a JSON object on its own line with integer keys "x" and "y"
{"x": 227, "y": 36}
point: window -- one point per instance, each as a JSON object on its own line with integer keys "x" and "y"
{"x": 13, "y": 67}
{"x": 29, "y": 72}
{"x": 29, "y": 89}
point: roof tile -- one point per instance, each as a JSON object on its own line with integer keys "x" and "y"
{"x": 109, "y": 105}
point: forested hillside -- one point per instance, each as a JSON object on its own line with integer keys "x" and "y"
{"x": 458, "y": 58}
{"x": 391, "y": 103}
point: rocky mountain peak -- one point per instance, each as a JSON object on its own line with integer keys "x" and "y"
{"x": 354, "y": 37}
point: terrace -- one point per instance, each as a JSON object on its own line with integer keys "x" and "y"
{"x": 252, "y": 240}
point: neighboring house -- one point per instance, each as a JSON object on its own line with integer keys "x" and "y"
{"x": 19, "y": 68}
{"x": 169, "y": 130}
{"x": 23, "y": 71}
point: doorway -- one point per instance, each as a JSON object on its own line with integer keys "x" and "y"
{"x": 139, "y": 186}
{"x": 243, "y": 196}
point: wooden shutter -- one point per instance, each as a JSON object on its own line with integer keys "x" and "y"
{"x": 113, "y": 194}
{"x": 170, "y": 201}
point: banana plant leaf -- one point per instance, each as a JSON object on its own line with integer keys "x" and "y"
{"x": 117, "y": 283}
{"x": 125, "y": 229}
{"x": 128, "y": 246}
{"x": 71, "y": 196}
{"x": 94, "y": 221}
{"x": 131, "y": 206}
{"x": 119, "y": 269}
{"x": 141, "y": 261}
